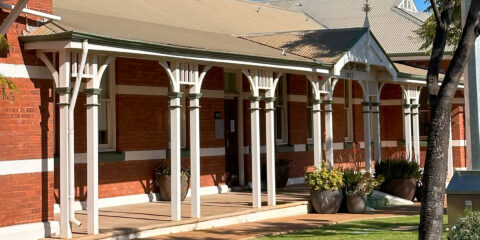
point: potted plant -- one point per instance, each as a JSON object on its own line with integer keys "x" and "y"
{"x": 325, "y": 189}
{"x": 282, "y": 172}
{"x": 357, "y": 186}
{"x": 401, "y": 176}
{"x": 163, "y": 177}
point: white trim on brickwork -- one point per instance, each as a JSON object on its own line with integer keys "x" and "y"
{"x": 161, "y": 91}
{"x": 459, "y": 143}
{"x": 297, "y": 180}
{"x": 458, "y": 101}
{"x": 140, "y": 198}
{"x": 154, "y": 154}
{"x": 141, "y": 90}
{"x": 26, "y": 166}
{"x": 25, "y": 71}
{"x": 30, "y": 230}
{"x": 145, "y": 155}
{"x": 211, "y": 152}
{"x": 297, "y": 98}
{"x": 299, "y": 147}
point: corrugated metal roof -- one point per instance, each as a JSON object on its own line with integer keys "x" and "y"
{"x": 392, "y": 26}
{"x": 219, "y": 16}
{"x": 127, "y": 29}
{"x": 320, "y": 45}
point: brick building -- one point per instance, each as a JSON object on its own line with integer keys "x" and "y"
{"x": 272, "y": 84}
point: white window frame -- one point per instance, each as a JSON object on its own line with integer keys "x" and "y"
{"x": 348, "y": 108}
{"x": 111, "y": 115}
{"x": 284, "y": 139}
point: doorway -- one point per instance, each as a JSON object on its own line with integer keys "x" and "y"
{"x": 231, "y": 142}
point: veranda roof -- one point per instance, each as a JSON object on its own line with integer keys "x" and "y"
{"x": 390, "y": 22}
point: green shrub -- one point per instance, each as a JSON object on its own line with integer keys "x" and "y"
{"x": 398, "y": 168}
{"x": 358, "y": 183}
{"x": 324, "y": 179}
{"x": 467, "y": 226}
{"x": 166, "y": 171}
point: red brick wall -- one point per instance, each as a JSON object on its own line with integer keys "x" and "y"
{"x": 26, "y": 198}
{"x": 26, "y": 132}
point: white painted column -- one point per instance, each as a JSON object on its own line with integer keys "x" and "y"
{"x": 329, "y": 133}
{"x": 416, "y": 132}
{"x": 255, "y": 150}
{"x": 64, "y": 91}
{"x": 175, "y": 154}
{"x": 317, "y": 133}
{"x": 92, "y": 156}
{"x": 377, "y": 141}
{"x": 270, "y": 145}
{"x": 195, "y": 152}
{"x": 366, "y": 136}
{"x": 407, "y": 130}
{"x": 450, "y": 154}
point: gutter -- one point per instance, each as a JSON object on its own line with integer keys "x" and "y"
{"x": 170, "y": 49}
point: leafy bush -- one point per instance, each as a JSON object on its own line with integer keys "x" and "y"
{"x": 358, "y": 183}
{"x": 467, "y": 226}
{"x": 166, "y": 171}
{"x": 324, "y": 179}
{"x": 398, "y": 168}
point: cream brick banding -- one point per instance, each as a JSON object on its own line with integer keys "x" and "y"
{"x": 26, "y": 166}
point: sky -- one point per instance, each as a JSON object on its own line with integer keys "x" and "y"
{"x": 421, "y": 5}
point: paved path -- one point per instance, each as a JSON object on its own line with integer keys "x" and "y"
{"x": 287, "y": 224}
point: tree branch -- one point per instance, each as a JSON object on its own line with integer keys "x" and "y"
{"x": 436, "y": 12}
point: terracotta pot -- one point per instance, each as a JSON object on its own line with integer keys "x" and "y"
{"x": 282, "y": 173}
{"x": 404, "y": 188}
{"x": 326, "y": 201}
{"x": 164, "y": 183}
{"x": 418, "y": 192}
{"x": 356, "y": 204}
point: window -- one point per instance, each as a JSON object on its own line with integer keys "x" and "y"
{"x": 348, "y": 112}
{"x": 106, "y": 110}
{"x": 230, "y": 82}
{"x": 423, "y": 113}
{"x": 281, "y": 125}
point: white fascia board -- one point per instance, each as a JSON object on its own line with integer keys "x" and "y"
{"x": 359, "y": 54}
{"x": 49, "y": 46}
{"x": 206, "y": 60}
{"x": 420, "y": 82}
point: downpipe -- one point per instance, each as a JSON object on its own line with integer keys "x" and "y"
{"x": 71, "y": 127}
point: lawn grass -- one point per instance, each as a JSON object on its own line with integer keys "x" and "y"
{"x": 379, "y": 228}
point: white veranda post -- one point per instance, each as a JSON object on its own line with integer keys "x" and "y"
{"x": 329, "y": 87}
{"x": 316, "y": 84}
{"x": 366, "y": 124}
{"x": 262, "y": 80}
{"x": 411, "y": 95}
{"x": 92, "y": 91}
{"x": 64, "y": 90}
{"x": 377, "y": 142}
{"x": 187, "y": 74}
{"x": 269, "y": 84}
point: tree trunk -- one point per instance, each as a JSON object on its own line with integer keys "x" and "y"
{"x": 435, "y": 169}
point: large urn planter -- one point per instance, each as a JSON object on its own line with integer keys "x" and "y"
{"x": 282, "y": 173}
{"x": 356, "y": 204}
{"x": 404, "y": 188}
{"x": 164, "y": 181}
{"x": 326, "y": 202}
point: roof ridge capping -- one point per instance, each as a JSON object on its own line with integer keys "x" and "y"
{"x": 296, "y": 32}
